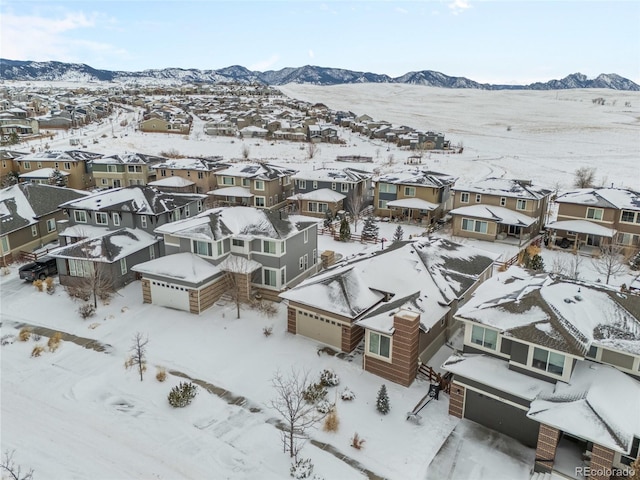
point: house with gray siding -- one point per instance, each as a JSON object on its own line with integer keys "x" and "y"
{"x": 350, "y": 182}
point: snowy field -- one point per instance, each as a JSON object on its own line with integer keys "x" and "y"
{"x": 78, "y": 413}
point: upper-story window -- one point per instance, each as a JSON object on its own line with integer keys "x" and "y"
{"x": 344, "y": 187}
{"x": 163, "y": 172}
{"x": 134, "y": 168}
{"x": 333, "y": 186}
{"x": 595, "y": 213}
{"x": 199, "y": 204}
{"x": 305, "y": 236}
{"x": 409, "y": 191}
{"x": 521, "y": 204}
{"x": 112, "y": 168}
{"x": 503, "y": 201}
{"x": 269, "y": 246}
{"x": 302, "y": 184}
{"x": 143, "y": 221}
{"x": 478, "y": 198}
{"x": 80, "y": 216}
{"x": 485, "y": 337}
{"x": 548, "y": 361}
{"x": 258, "y": 184}
{"x": 228, "y": 181}
{"x": 387, "y": 188}
{"x": 246, "y": 182}
{"x": 464, "y": 197}
{"x": 315, "y": 185}
{"x": 102, "y": 218}
{"x": 200, "y": 175}
{"x": 202, "y": 248}
{"x": 287, "y": 180}
{"x": 67, "y": 165}
{"x": 116, "y": 218}
{"x": 379, "y": 344}
{"x": 27, "y": 165}
{"x": 628, "y": 216}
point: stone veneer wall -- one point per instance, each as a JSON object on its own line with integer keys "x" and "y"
{"x": 456, "y": 400}
{"x": 146, "y": 291}
{"x": 546, "y": 449}
{"x": 601, "y": 463}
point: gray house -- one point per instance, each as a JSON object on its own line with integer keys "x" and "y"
{"x": 262, "y": 251}
{"x": 350, "y": 182}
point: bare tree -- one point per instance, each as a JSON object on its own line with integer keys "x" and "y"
{"x": 584, "y": 177}
{"x": 238, "y": 271}
{"x": 355, "y": 207}
{"x": 96, "y": 280}
{"x": 312, "y": 150}
{"x": 611, "y": 261}
{"x": 139, "y": 353}
{"x": 298, "y": 416}
{"x": 246, "y": 151}
{"x": 12, "y": 470}
{"x": 574, "y": 266}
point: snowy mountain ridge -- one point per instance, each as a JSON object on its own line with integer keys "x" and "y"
{"x": 309, "y": 74}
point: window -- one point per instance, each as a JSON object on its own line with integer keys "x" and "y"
{"x": 246, "y": 182}
{"x": 51, "y": 225}
{"x": 27, "y": 165}
{"x": 188, "y": 173}
{"x": 478, "y": 198}
{"x": 333, "y": 186}
{"x": 116, "y": 218}
{"x": 143, "y": 221}
{"x": 104, "y": 181}
{"x": 314, "y": 257}
{"x": 270, "y": 277}
{"x": 382, "y": 204}
{"x": 67, "y": 165}
{"x": 287, "y": 180}
{"x": 80, "y": 216}
{"x": 409, "y": 191}
{"x": 344, "y": 187}
{"x": 258, "y": 185}
{"x": 112, "y": 169}
{"x": 593, "y": 351}
{"x": 269, "y": 246}
{"x": 387, "y": 188}
{"x": 380, "y": 345}
{"x": 123, "y": 266}
{"x": 283, "y": 276}
{"x": 474, "y": 225}
{"x": 134, "y": 169}
{"x": 228, "y": 181}
{"x": 302, "y": 184}
{"x": 200, "y": 175}
{"x": 237, "y": 243}
{"x": 34, "y": 230}
{"x": 4, "y": 243}
{"x": 199, "y": 206}
{"x": 548, "y": 361}
{"x": 464, "y": 197}
{"x": 202, "y": 248}
{"x": 521, "y": 204}
{"x": 152, "y": 252}
{"x": 503, "y": 201}
{"x": 258, "y": 201}
{"x": 484, "y": 337}
{"x": 594, "y": 213}
{"x": 163, "y": 173}
{"x": 101, "y": 218}
{"x": 629, "y": 217}
{"x": 305, "y": 236}
{"x": 80, "y": 268}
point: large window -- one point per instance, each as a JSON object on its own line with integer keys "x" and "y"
{"x": 382, "y": 204}
{"x": 228, "y": 181}
{"x": 80, "y": 268}
{"x": 485, "y": 337}
{"x": 387, "y": 188}
{"x": 380, "y": 344}
{"x": 302, "y": 184}
{"x": 4, "y": 243}
{"x": 259, "y": 201}
{"x": 202, "y": 248}
{"x": 474, "y": 225}
{"x": 318, "y": 207}
{"x": 134, "y": 169}
{"x": 102, "y": 218}
{"x": 548, "y": 361}
{"x": 628, "y": 216}
{"x": 521, "y": 204}
{"x": 595, "y": 213}
{"x": 80, "y": 216}
{"x": 123, "y": 266}
{"x": 344, "y": 187}
{"x": 269, "y": 246}
{"x": 258, "y": 184}
{"x": 112, "y": 168}
{"x": 409, "y": 191}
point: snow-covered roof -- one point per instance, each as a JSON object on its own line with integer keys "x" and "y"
{"x": 413, "y": 203}
{"x": 231, "y": 192}
{"x": 238, "y": 264}
{"x": 201, "y": 164}
{"x": 108, "y": 248}
{"x": 43, "y": 173}
{"x": 617, "y": 198}
{"x": 322, "y": 195}
{"x": 423, "y": 178}
{"x": 345, "y": 175}
{"x": 129, "y": 158}
{"x": 496, "y": 214}
{"x": 260, "y": 171}
{"x": 185, "y": 266}
{"x": 171, "y": 182}
{"x": 504, "y": 187}
{"x": 582, "y": 226}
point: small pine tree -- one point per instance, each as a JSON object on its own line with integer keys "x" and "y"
{"x": 57, "y": 179}
{"x": 181, "y": 395}
{"x": 370, "y": 229}
{"x": 345, "y": 230}
{"x": 382, "y": 402}
{"x": 398, "y": 235}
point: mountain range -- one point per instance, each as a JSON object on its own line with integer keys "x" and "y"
{"x": 60, "y": 71}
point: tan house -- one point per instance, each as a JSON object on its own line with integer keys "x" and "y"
{"x": 592, "y": 217}
{"x": 419, "y": 196}
{"x": 75, "y": 163}
{"x": 7, "y": 167}
{"x": 160, "y": 125}
{"x": 123, "y": 170}
{"x": 498, "y": 209}
{"x": 317, "y": 203}
{"x": 200, "y": 171}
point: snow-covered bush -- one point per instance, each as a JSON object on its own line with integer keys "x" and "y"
{"x": 54, "y": 341}
{"x": 347, "y": 395}
{"x": 182, "y": 395}
{"x": 329, "y": 378}
{"x": 39, "y": 284}
{"x": 161, "y": 374}
{"x": 86, "y": 310}
{"x": 25, "y": 334}
{"x": 324, "y": 406}
{"x": 302, "y": 468}
{"x": 7, "y": 339}
{"x": 314, "y": 393}
{"x": 50, "y": 286}
{"x": 357, "y": 442}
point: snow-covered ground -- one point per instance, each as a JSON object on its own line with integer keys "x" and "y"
{"x": 77, "y": 413}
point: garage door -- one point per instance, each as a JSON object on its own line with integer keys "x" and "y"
{"x": 320, "y": 329}
{"x": 501, "y": 417}
{"x": 169, "y": 295}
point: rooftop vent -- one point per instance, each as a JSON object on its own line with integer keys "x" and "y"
{"x": 568, "y": 300}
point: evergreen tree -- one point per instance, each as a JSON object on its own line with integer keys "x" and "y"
{"x": 345, "y": 230}
{"x": 57, "y": 178}
{"x": 369, "y": 229}
{"x": 382, "y": 402}
{"x": 398, "y": 235}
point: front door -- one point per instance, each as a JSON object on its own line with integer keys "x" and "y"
{"x": 117, "y": 184}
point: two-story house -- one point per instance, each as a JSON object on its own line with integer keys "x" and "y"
{"x": 499, "y": 209}
{"x": 401, "y": 300}
{"x": 200, "y": 171}
{"x": 554, "y": 364}
{"x": 264, "y": 250}
{"x": 414, "y": 196}
{"x": 122, "y": 170}
{"x": 592, "y": 217}
{"x": 114, "y": 230}
{"x": 29, "y": 214}
{"x": 75, "y": 164}
{"x": 261, "y": 185}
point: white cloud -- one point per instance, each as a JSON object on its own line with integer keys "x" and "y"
{"x": 459, "y": 6}
{"x": 311, "y": 54}
{"x": 402, "y": 10}
{"x": 265, "y": 64}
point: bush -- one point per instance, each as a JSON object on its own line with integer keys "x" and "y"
{"x": 86, "y": 310}
{"x": 50, "y": 286}
{"x": 77, "y": 292}
{"x": 7, "y": 340}
{"x": 357, "y": 442}
{"x": 331, "y": 423}
{"x": 37, "y": 350}
{"x": 314, "y": 393}
{"x": 324, "y": 407}
{"x": 54, "y": 341}
{"x": 39, "y": 284}
{"x": 25, "y": 334}
{"x": 302, "y": 468}
{"x": 382, "y": 402}
{"x": 267, "y": 331}
{"x": 329, "y": 378}
{"x": 161, "y": 375}
{"x": 347, "y": 395}
{"x": 182, "y": 395}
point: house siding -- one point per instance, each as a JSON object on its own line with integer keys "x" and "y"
{"x": 519, "y": 352}
{"x": 456, "y": 400}
{"x": 601, "y": 463}
{"x": 548, "y": 438}
{"x": 617, "y": 359}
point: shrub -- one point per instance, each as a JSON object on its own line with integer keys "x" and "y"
{"x": 50, "y": 286}
{"x": 182, "y": 395}
{"x": 347, "y": 395}
{"x": 25, "y": 334}
{"x": 37, "y": 350}
{"x": 302, "y": 468}
{"x": 39, "y": 284}
{"x": 161, "y": 374}
{"x": 86, "y": 310}
{"x": 77, "y": 292}
{"x": 324, "y": 407}
{"x": 267, "y": 331}
{"x": 54, "y": 341}
{"x": 7, "y": 340}
{"x": 329, "y": 378}
{"x": 357, "y": 442}
{"x": 5, "y": 271}
{"x": 382, "y": 402}
{"x": 331, "y": 423}
{"x": 314, "y": 393}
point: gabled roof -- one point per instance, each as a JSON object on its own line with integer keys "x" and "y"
{"x": 137, "y": 199}
{"x": 422, "y": 178}
{"x": 348, "y": 175}
{"x": 130, "y": 159}
{"x": 260, "y": 171}
{"x": 505, "y": 187}
{"x": 184, "y": 266}
{"x": 108, "y": 248}
{"x": 494, "y": 213}
{"x": 203, "y": 164}
{"x": 59, "y": 155}
{"x": 617, "y": 198}
{"x": 22, "y": 204}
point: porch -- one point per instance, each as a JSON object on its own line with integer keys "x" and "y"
{"x": 412, "y": 210}
{"x": 580, "y": 235}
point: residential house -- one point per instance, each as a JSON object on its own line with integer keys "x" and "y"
{"x": 317, "y": 203}
{"x": 554, "y": 364}
{"x": 162, "y": 125}
{"x": 415, "y": 196}
{"x": 499, "y": 209}
{"x": 121, "y": 170}
{"x": 261, "y": 185}
{"x": 49, "y": 176}
{"x": 28, "y": 216}
{"x": 77, "y": 163}
{"x": 200, "y": 171}
{"x": 7, "y": 167}
{"x": 400, "y": 300}
{"x": 264, "y": 252}
{"x": 591, "y": 217}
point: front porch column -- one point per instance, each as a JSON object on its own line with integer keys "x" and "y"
{"x": 456, "y": 400}
{"x": 601, "y": 463}
{"x": 546, "y": 449}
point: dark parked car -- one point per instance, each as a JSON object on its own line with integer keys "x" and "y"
{"x": 40, "y": 269}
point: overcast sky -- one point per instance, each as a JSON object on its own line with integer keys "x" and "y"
{"x": 508, "y": 41}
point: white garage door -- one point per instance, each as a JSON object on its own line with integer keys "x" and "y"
{"x": 169, "y": 295}
{"x": 320, "y": 329}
